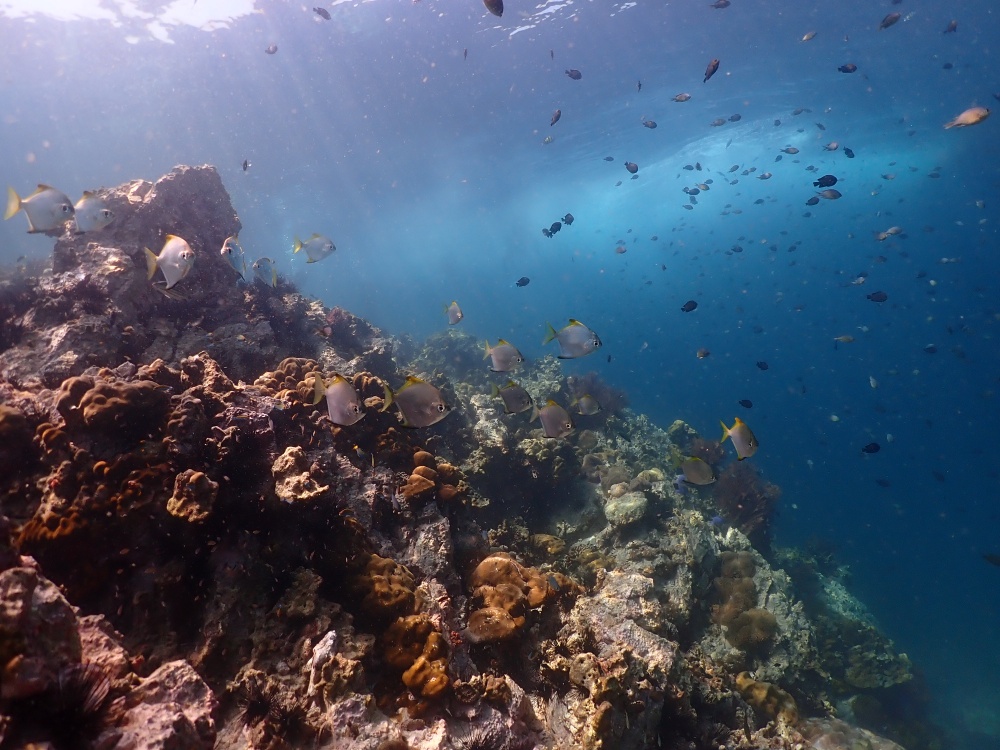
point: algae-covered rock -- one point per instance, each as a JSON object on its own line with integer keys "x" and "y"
{"x": 626, "y": 509}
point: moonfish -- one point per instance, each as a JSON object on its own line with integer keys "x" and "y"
{"x": 92, "y": 213}
{"x": 494, "y": 6}
{"x": 971, "y": 116}
{"x": 316, "y": 247}
{"x": 46, "y": 208}
{"x": 575, "y": 340}
{"x": 265, "y": 272}
{"x": 454, "y": 313}
{"x": 175, "y": 260}
{"x": 232, "y": 251}
{"x": 515, "y": 398}
{"x": 419, "y": 403}
{"x": 697, "y": 471}
{"x": 342, "y": 402}
{"x": 556, "y": 422}
{"x": 743, "y": 439}
{"x": 505, "y": 356}
{"x": 586, "y": 405}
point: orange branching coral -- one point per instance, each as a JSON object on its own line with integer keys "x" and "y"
{"x": 747, "y": 502}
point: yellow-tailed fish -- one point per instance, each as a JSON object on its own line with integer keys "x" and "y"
{"x": 92, "y": 213}
{"x": 46, "y": 208}
{"x": 316, "y": 247}
{"x": 575, "y": 340}
{"x": 342, "y": 401}
{"x": 265, "y": 272}
{"x": 232, "y": 251}
{"x": 743, "y": 439}
{"x": 454, "y": 313}
{"x": 556, "y": 422}
{"x": 420, "y": 404}
{"x": 175, "y": 261}
{"x": 585, "y": 405}
{"x": 515, "y": 398}
{"x": 697, "y": 471}
{"x": 505, "y": 356}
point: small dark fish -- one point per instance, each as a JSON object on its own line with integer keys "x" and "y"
{"x": 827, "y": 180}
{"x": 745, "y": 403}
{"x": 546, "y": 232}
{"x": 632, "y": 167}
{"x": 609, "y": 158}
{"x": 991, "y": 558}
{"x": 496, "y": 8}
{"x": 689, "y": 167}
{"x": 322, "y": 13}
{"x": 270, "y": 49}
{"x": 849, "y": 153}
{"x": 575, "y": 74}
{"x": 812, "y": 201}
{"x": 568, "y": 220}
{"x": 930, "y": 349}
{"x": 638, "y": 85}
{"x": 848, "y": 68}
{"x": 552, "y": 54}
{"x": 777, "y": 123}
{"x": 689, "y": 306}
{"x": 555, "y": 117}
{"x": 878, "y": 296}
{"x": 556, "y": 226}
{"x": 871, "y": 448}
{"x": 465, "y": 53}
{"x": 246, "y": 165}
{"x": 702, "y": 353}
{"x": 523, "y": 281}
{"x": 762, "y": 365}
{"x": 735, "y": 118}
{"x": 718, "y": 122}
{"x": 720, "y": 4}
{"x": 649, "y": 124}
{"x": 711, "y": 70}
{"x": 948, "y": 66}
{"x": 883, "y": 482}
{"x": 889, "y": 20}
{"x": 609, "y": 358}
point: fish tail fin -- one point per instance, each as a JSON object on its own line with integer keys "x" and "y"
{"x": 725, "y": 432}
{"x": 319, "y": 388}
{"x": 297, "y": 246}
{"x": 535, "y": 413}
{"x": 310, "y": 261}
{"x": 494, "y": 391}
{"x": 13, "y": 203}
{"x": 486, "y": 356}
{"x": 151, "y": 260}
{"x": 551, "y": 335}
{"x": 388, "y": 397}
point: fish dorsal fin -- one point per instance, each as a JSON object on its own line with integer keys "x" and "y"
{"x": 511, "y": 384}
{"x": 314, "y": 236}
{"x": 89, "y": 194}
{"x": 501, "y": 341}
{"x": 42, "y": 188}
{"x": 574, "y": 322}
{"x": 411, "y": 380}
{"x": 494, "y": 391}
{"x": 171, "y": 237}
{"x": 550, "y": 402}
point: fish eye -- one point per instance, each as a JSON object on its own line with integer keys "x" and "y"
{"x": 66, "y": 208}
{"x": 440, "y": 408}
{"x": 568, "y": 425}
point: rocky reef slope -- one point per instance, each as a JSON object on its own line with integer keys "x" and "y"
{"x": 193, "y": 555}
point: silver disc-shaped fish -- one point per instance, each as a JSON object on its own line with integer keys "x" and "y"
{"x": 454, "y": 313}
{"x": 46, "y": 208}
{"x": 743, "y": 439}
{"x": 575, "y": 340}
{"x": 419, "y": 403}
{"x": 342, "y": 401}
{"x": 92, "y": 213}
{"x": 556, "y": 422}
{"x": 175, "y": 260}
{"x": 316, "y": 247}
{"x": 515, "y": 398}
{"x": 504, "y": 356}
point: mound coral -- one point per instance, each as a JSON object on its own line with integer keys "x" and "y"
{"x": 387, "y": 589}
{"x": 414, "y": 647}
{"x": 769, "y": 699}
{"x": 747, "y": 502}
{"x": 748, "y": 628}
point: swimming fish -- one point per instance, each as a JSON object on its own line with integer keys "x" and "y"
{"x": 735, "y": 118}
{"x": 891, "y": 231}
{"x": 808, "y": 36}
{"x": 971, "y": 116}
{"x": 575, "y": 340}
{"x": 316, "y": 247}
{"x": 632, "y": 167}
{"x": 720, "y": 4}
{"x": 585, "y": 405}
{"x": 827, "y": 180}
{"x": 871, "y": 448}
{"x": 505, "y": 356}
{"x": 844, "y": 339}
{"x": 515, "y": 398}
{"x": 689, "y": 306}
{"x": 889, "y": 20}
{"x": 322, "y": 13}
{"x": 651, "y": 124}
{"x": 743, "y": 439}
{"x": 575, "y": 74}
{"x": 246, "y": 165}
{"x": 342, "y": 401}
{"x": 555, "y": 117}
{"x": 46, "y": 208}
{"x": 745, "y": 403}
{"x": 848, "y": 68}
{"x": 762, "y": 365}
{"x": 848, "y": 153}
{"x": 175, "y": 261}
{"x": 951, "y": 28}
{"x": 92, "y": 213}
{"x": 790, "y": 150}
{"x": 710, "y": 71}
{"x": 696, "y": 471}
{"x": 454, "y": 313}
{"x": 270, "y": 49}
{"x": 523, "y": 281}
{"x": 419, "y": 403}
{"x": 830, "y": 194}
{"x": 495, "y": 7}
{"x": 232, "y": 251}
{"x": 702, "y": 353}
{"x": 264, "y": 270}
{"x": 556, "y": 422}
{"x": 682, "y": 97}
{"x": 878, "y": 296}
{"x": 568, "y": 220}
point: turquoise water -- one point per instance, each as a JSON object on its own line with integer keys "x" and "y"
{"x": 430, "y": 172}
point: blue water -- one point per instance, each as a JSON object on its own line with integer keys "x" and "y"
{"x": 430, "y": 173}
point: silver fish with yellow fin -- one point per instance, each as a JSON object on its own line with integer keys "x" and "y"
{"x": 556, "y": 422}
{"x": 175, "y": 261}
{"x": 454, "y": 313}
{"x": 743, "y": 439}
{"x": 342, "y": 401}
{"x": 575, "y": 340}
{"x": 420, "y": 404}
{"x": 46, "y": 208}
{"x": 232, "y": 251}
{"x": 505, "y": 356}
{"x": 316, "y": 247}
{"x": 515, "y": 398}
{"x": 585, "y": 405}
{"x": 697, "y": 471}
{"x": 92, "y": 213}
{"x": 265, "y": 272}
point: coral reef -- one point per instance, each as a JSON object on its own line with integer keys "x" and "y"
{"x": 192, "y": 554}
